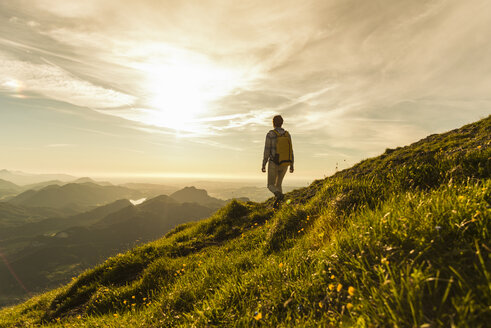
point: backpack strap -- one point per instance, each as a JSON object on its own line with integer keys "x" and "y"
{"x": 279, "y": 135}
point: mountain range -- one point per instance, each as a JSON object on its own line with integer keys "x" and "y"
{"x": 22, "y": 178}
{"x": 74, "y": 196}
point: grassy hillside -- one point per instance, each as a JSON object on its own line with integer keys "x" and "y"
{"x": 398, "y": 240}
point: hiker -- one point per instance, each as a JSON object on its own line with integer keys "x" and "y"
{"x": 278, "y": 152}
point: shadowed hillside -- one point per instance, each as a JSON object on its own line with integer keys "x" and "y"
{"x": 47, "y": 253}
{"x": 54, "y": 224}
{"x": 402, "y": 240}
{"x": 15, "y": 216}
{"x": 8, "y": 188}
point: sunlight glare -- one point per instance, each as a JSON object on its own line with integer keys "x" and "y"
{"x": 13, "y": 84}
{"x": 178, "y": 90}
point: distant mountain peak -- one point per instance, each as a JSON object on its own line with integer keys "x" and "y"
{"x": 158, "y": 199}
{"x": 192, "y": 194}
{"x": 84, "y": 179}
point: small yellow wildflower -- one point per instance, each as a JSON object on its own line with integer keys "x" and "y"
{"x": 331, "y": 286}
{"x": 349, "y": 306}
{"x": 115, "y": 315}
{"x": 79, "y": 316}
{"x": 280, "y": 265}
{"x": 340, "y": 286}
{"x": 124, "y": 302}
{"x": 333, "y": 276}
{"x": 351, "y": 290}
{"x": 320, "y": 304}
{"x": 258, "y": 316}
{"x": 133, "y": 297}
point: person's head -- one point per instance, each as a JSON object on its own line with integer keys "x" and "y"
{"x": 277, "y": 121}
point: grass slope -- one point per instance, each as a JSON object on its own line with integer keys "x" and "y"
{"x": 398, "y": 240}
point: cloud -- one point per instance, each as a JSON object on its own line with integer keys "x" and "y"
{"x": 69, "y": 9}
{"x": 54, "y": 82}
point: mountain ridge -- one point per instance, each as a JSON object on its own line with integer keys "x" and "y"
{"x": 22, "y": 178}
{"x": 84, "y": 195}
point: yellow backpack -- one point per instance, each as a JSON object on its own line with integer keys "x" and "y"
{"x": 284, "y": 151}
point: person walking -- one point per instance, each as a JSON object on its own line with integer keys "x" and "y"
{"x": 278, "y": 153}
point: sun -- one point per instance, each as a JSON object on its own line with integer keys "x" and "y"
{"x": 178, "y": 90}
{"x": 177, "y": 94}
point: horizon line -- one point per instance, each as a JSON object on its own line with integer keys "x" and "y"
{"x": 167, "y": 175}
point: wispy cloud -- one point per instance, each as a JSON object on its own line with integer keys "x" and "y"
{"x": 54, "y": 82}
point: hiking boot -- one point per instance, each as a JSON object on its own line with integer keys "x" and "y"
{"x": 279, "y": 197}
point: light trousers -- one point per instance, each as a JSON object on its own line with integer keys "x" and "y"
{"x": 276, "y": 173}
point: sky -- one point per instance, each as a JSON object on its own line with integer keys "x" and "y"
{"x": 188, "y": 88}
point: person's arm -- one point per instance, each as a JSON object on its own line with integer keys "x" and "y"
{"x": 267, "y": 152}
{"x": 293, "y": 158}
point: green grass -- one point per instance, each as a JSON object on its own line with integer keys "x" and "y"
{"x": 400, "y": 240}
